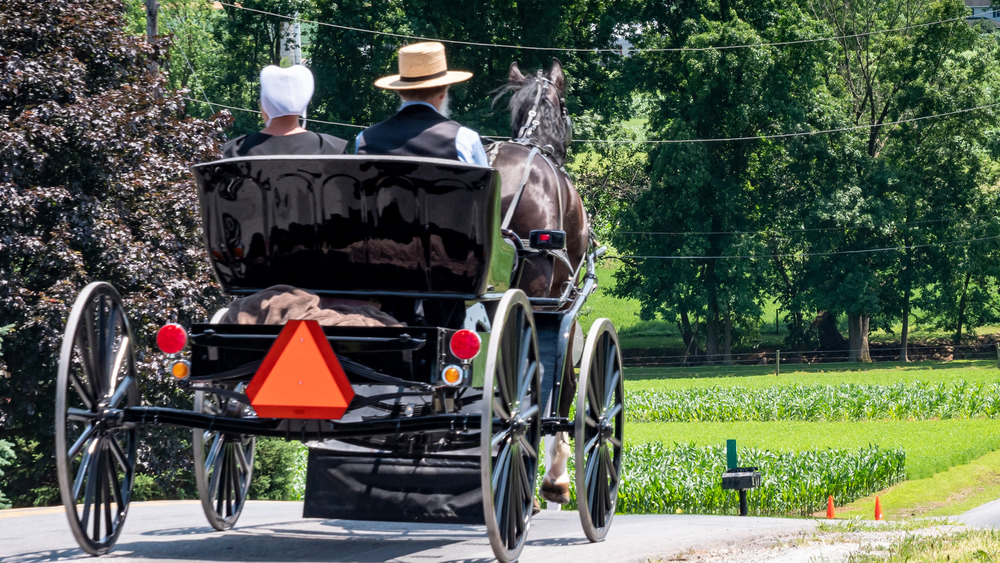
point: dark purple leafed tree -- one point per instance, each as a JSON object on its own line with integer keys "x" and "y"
{"x": 94, "y": 185}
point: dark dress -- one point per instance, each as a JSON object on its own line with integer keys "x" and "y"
{"x": 260, "y": 144}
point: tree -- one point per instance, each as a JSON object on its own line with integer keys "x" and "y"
{"x": 892, "y": 183}
{"x": 94, "y": 185}
{"x": 710, "y": 199}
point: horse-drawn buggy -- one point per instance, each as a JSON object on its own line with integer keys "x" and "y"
{"x": 430, "y": 408}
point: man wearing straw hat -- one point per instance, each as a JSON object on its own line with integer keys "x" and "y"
{"x": 421, "y": 126}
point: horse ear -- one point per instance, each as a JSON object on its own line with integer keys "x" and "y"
{"x": 556, "y": 75}
{"x": 514, "y": 74}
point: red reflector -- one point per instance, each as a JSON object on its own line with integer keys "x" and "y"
{"x": 544, "y": 237}
{"x": 171, "y": 338}
{"x": 465, "y": 344}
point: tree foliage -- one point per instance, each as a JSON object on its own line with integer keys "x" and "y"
{"x": 94, "y": 185}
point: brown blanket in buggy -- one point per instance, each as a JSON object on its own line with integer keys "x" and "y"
{"x": 281, "y": 303}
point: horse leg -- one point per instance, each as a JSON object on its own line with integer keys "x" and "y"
{"x": 555, "y": 484}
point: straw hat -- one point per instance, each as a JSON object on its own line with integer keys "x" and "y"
{"x": 422, "y": 65}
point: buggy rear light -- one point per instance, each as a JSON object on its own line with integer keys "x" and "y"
{"x": 451, "y": 375}
{"x": 171, "y": 338}
{"x": 180, "y": 369}
{"x": 465, "y": 344}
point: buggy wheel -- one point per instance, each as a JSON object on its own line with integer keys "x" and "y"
{"x": 511, "y": 426}
{"x": 223, "y": 462}
{"x": 598, "y": 430}
{"x": 95, "y": 450}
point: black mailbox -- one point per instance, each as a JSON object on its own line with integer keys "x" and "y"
{"x": 740, "y": 479}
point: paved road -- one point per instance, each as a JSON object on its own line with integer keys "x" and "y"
{"x": 176, "y": 531}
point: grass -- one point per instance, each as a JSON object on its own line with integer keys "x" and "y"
{"x": 948, "y": 493}
{"x": 931, "y": 446}
{"x": 758, "y": 377}
{"x": 965, "y": 546}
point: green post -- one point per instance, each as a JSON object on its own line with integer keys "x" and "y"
{"x": 998, "y": 353}
{"x": 731, "y": 461}
{"x": 777, "y": 362}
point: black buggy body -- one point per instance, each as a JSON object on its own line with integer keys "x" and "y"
{"x": 433, "y": 432}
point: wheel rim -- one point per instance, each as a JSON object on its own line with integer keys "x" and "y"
{"x": 223, "y": 462}
{"x": 599, "y": 428}
{"x": 511, "y": 426}
{"x": 95, "y": 451}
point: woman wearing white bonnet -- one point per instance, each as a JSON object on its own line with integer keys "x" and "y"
{"x": 284, "y": 97}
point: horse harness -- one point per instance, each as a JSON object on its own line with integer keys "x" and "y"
{"x": 524, "y": 139}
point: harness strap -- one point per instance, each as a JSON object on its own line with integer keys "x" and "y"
{"x": 520, "y": 188}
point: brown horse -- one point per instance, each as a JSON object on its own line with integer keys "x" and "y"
{"x": 538, "y": 194}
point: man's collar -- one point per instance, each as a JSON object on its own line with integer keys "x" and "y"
{"x": 409, "y": 103}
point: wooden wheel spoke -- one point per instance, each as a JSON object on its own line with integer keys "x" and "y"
{"x": 614, "y": 412}
{"x": 500, "y": 468}
{"x": 590, "y": 445}
{"x": 121, "y": 391}
{"x": 213, "y": 453}
{"x": 499, "y": 437}
{"x": 85, "y": 438}
{"x": 609, "y": 465}
{"x": 119, "y": 455}
{"x": 84, "y": 391}
{"x": 611, "y": 387}
{"x": 81, "y": 473}
{"x": 501, "y": 408}
{"x": 244, "y": 464}
{"x": 110, "y": 336}
{"x": 113, "y": 492}
{"x": 526, "y": 380}
{"x": 615, "y": 441}
{"x": 594, "y": 400}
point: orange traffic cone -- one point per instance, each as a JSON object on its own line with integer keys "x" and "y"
{"x": 878, "y": 509}
{"x": 829, "y": 508}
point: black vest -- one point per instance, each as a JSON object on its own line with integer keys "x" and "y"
{"x": 415, "y": 130}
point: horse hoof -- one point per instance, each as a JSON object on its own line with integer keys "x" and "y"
{"x": 555, "y": 492}
{"x": 535, "y": 507}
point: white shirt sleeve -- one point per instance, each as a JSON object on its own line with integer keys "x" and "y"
{"x": 470, "y": 148}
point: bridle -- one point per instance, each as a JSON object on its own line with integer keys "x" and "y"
{"x": 542, "y": 86}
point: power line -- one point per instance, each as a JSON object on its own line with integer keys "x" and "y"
{"x": 800, "y": 230}
{"x": 601, "y": 50}
{"x": 311, "y": 120}
{"x": 715, "y": 140}
{"x": 804, "y": 254}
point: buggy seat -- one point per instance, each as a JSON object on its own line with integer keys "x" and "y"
{"x": 356, "y": 225}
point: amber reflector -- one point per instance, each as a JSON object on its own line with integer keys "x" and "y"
{"x": 451, "y": 375}
{"x": 465, "y": 344}
{"x": 171, "y": 338}
{"x": 180, "y": 370}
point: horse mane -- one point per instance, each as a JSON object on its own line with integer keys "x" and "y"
{"x": 552, "y": 129}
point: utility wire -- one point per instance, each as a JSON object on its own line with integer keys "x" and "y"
{"x": 311, "y": 120}
{"x": 800, "y": 230}
{"x": 804, "y": 254}
{"x": 601, "y": 50}
{"x": 715, "y": 140}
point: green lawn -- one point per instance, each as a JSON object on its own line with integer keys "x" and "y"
{"x": 755, "y": 377}
{"x": 931, "y": 445}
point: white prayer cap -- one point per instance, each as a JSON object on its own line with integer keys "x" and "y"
{"x": 285, "y": 91}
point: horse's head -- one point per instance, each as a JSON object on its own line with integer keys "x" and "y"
{"x": 538, "y": 108}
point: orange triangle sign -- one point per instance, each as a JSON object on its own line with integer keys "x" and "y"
{"x": 300, "y": 377}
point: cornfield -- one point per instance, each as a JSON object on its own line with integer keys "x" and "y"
{"x": 658, "y": 479}
{"x": 900, "y": 401}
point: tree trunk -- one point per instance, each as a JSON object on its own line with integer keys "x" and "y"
{"x": 961, "y": 309}
{"x": 712, "y": 339}
{"x": 686, "y": 333}
{"x": 904, "y": 334}
{"x": 857, "y": 339}
{"x": 727, "y": 339}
